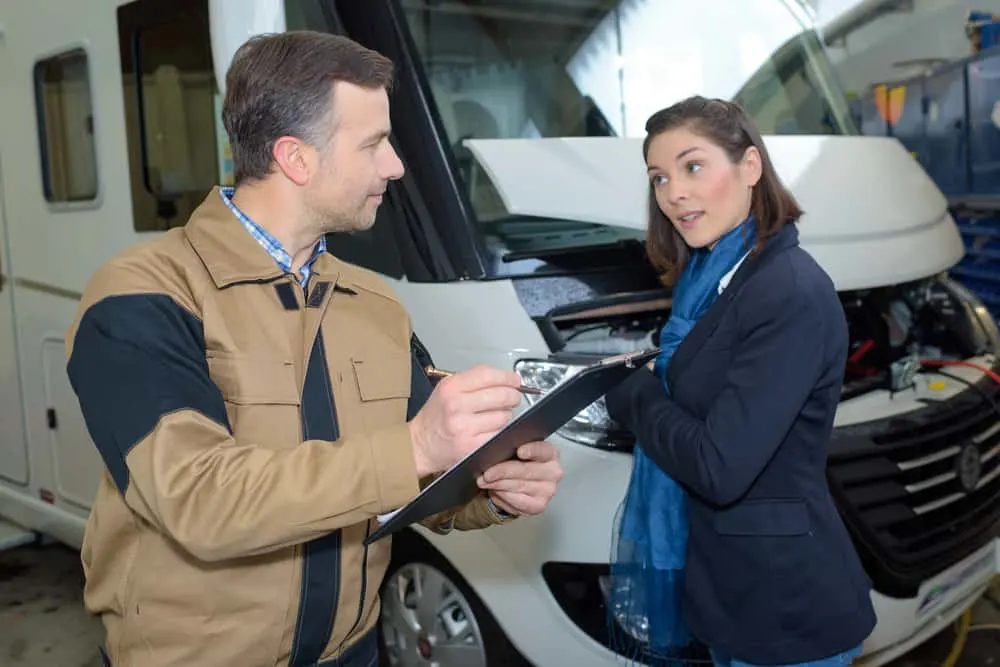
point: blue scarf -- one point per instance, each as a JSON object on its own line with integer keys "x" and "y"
{"x": 650, "y": 547}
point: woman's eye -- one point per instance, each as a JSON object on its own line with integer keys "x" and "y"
{"x": 693, "y": 167}
{"x": 658, "y": 180}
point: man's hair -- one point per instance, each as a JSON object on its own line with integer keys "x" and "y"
{"x": 282, "y": 85}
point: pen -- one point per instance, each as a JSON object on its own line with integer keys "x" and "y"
{"x": 437, "y": 372}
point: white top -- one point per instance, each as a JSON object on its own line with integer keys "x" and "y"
{"x": 724, "y": 283}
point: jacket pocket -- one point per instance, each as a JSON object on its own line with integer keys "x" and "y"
{"x": 383, "y": 377}
{"x": 253, "y": 380}
{"x": 765, "y": 518}
{"x": 383, "y": 385}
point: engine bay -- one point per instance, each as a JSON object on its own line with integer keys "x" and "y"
{"x": 893, "y": 330}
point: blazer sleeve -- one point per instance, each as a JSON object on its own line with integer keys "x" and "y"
{"x": 776, "y": 363}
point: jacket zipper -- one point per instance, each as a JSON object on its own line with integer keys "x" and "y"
{"x": 364, "y": 587}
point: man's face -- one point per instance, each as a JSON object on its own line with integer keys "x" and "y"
{"x": 357, "y": 163}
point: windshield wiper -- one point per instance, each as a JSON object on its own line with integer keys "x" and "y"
{"x": 542, "y": 253}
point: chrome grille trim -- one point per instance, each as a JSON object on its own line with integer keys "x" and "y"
{"x": 929, "y": 459}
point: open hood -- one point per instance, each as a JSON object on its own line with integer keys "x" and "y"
{"x": 872, "y": 215}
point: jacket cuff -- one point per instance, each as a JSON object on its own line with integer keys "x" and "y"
{"x": 621, "y": 401}
{"x": 395, "y": 468}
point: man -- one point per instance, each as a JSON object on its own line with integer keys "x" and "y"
{"x": 256, "y": 401}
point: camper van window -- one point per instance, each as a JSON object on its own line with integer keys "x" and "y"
{"x": 177, "y": 148}
{"x": 66, "y": 127}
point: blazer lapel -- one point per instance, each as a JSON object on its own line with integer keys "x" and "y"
{"x": 709, "y": 322}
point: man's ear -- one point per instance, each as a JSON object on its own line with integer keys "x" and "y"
{"x": 294, "y": 158}
{"x": 752, "y": 166}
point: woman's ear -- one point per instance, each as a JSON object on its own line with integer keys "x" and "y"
{"x": 751, "y": 167}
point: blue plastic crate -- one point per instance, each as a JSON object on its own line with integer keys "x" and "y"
{"x": 984, "y": 124}
{"x": 945, "y": 154}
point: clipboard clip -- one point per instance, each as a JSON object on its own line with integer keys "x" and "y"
{"x": 627, "y": 357}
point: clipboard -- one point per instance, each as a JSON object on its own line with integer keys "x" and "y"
{"x": 457, "y": 486}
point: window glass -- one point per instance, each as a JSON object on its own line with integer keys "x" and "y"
{"x": 66, "y": 127}
{"x": 177, "y": 146}
{"x": 508, "y": 69}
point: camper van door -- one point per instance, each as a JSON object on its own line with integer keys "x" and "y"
{"x": 13, "y": 444}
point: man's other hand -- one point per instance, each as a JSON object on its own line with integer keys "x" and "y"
{"x": 463, "y": 412}
{"x": 526, "y": 485}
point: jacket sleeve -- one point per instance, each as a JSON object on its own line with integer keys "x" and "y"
{"x": 477, "y": 513}
{"x": 137, "y": 364}
{"x": 774, "y": 368}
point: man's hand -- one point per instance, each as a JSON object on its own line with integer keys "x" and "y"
{"x": 525, "y": 486}
{"x": 464, "y": 411}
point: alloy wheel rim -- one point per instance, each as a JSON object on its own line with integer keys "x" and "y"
{"x": 427, "y": 620}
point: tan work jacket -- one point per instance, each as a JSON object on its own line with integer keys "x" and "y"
{"x": 251, "y": 430}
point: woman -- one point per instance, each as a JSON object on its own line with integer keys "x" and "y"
{"x": 728, "y": 498}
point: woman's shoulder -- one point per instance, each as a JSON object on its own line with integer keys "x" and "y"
{"x": 793, "y": 280}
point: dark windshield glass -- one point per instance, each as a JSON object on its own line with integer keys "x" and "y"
{"x": 568, "y": 68}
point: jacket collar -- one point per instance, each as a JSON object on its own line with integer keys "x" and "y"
{"x": 786, "y": 237}
{"x": 230, "y": 254}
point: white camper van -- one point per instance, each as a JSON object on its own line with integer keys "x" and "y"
{"x": 515, "y": 239}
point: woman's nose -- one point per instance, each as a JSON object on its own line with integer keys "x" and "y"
{"x": 676, "y": 193}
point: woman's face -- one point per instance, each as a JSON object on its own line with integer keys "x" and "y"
{"x": 702, "y": 193}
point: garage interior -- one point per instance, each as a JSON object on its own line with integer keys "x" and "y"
{"x": 925, "y": 73}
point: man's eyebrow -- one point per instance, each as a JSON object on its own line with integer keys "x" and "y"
{"x": 377, "y": 136}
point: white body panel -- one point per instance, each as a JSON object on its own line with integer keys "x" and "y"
{"x": 13, "y": 444}
{"x": 872, "y": 215}
{"x": 890, "y": 212}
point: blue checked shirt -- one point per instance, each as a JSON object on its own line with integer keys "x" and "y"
{"x": 270, "y": 244}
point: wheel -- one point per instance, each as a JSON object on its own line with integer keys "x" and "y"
{"x": 430, "y": 616}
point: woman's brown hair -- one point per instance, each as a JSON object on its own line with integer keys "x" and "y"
{"x": 728, "y": 126}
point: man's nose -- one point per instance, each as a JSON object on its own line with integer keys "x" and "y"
{"x": 393, "y": 168}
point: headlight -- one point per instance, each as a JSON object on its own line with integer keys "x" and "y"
{"x": 636, "y": 625}
{"x": 591, "y": 425}
{"x": 978, "y": 314}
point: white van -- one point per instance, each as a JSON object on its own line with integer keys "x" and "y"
{"x": 515, "y": 239}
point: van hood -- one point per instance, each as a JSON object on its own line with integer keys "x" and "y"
{"x": 872, "y": 215}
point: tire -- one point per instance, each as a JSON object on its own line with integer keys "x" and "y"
{"x": 461, "y": 632}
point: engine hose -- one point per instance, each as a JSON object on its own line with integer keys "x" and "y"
{"x": 960, "y": 636}
{"x": 965, "y": 626}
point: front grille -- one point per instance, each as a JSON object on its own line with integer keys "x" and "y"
{"x": 920, "y": 491}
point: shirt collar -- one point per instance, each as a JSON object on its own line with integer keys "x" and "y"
{"x": 269, "y": 243}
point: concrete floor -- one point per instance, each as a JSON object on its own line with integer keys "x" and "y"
{"x": 43, "y": 624}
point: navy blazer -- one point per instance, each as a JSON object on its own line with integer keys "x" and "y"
{"x": 772, "y": 576}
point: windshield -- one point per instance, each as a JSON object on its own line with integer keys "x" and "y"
{"x": 506, "y": 69}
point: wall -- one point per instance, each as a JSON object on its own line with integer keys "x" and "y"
{"x": 879, "y": 51}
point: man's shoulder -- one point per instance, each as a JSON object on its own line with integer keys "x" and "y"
{"x": 358, "y": 277}
{"x": 160, "y": 267}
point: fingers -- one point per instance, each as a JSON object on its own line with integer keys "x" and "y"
{"x": 520, "y": 471}
{"x": 491, "y": 398}
{"x": 538, "y": 451}
{"x": 488, "y": 423}
{"x": 535, "y": 489}
{"x": 519, "y": 503}
{"x": 482, "y": 377}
